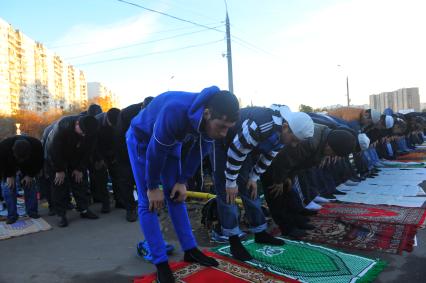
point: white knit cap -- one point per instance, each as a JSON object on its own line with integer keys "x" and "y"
{"x": 375, "y": 116}
{"x": 300, "y": 123}
{"x": 364, "y": 141}
{"x": 389, "y": 121}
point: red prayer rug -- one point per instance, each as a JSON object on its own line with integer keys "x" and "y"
{"x": 413, "y": 156}
{"x": 375, "y": 213}
{"x": 363, "y": 235}
{"x": 228, "y": 271}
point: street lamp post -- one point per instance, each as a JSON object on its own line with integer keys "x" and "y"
{"x": 347, "y": 87}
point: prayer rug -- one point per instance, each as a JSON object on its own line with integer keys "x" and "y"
{"x": 23, "y": 227}
{"x": 413, "y": 156}
{"x": 398, "y": 164}
{"x": 375, "y": 213}
{"x": 228, "y": 271}
{"x": 362, "y": 235}
{"x": 310, "y": 263}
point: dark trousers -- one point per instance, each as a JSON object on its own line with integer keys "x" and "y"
{"x": 61, "y": 195}
{"x": 98, "y": 183}
{"x": 125, "y": 184}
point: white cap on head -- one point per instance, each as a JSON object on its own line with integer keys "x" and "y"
{"x": 375, "y": 116}
{"x": 301, "y": 124}
{"x": 389, "y": 121}
{"x": 364, "y": 141}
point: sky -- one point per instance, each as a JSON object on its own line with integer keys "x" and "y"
{"x": 284, "y": 51}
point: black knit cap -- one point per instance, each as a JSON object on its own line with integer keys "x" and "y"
{"x": 94, "y": 109}
{"x": 88, "y": 124}
{"x": 21, "y": 149}
{"x": 112, "y": 115}
{"x": 341, "y": 142}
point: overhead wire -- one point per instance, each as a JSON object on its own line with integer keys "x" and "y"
{"x": 136, "y": 44}
{"x": 150, "y": 53}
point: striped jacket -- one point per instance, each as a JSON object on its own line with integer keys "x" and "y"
{"x": 258, "y": 130}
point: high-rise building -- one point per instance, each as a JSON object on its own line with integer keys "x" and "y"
{"x": 100, "y": 94}
{"x": 401, "y": 99}
{"x": 34, "y": 78}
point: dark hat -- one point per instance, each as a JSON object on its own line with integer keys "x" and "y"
{"x": 94, "y": 109}
{"x": 88, "y": 124}
{"x": 112, "y": 115}
{"x": 341, "y": 142}
{"x": 21, "y": 149}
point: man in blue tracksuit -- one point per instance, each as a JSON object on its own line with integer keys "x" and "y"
{"x": 154, "y": 142}
{"x": 244, "y": 155}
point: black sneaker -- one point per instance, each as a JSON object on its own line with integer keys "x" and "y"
{"x": 11, "y": 220}
{"x": 63, "y": 222}
{"x": 164, "y": 273}
{"x": 88, "y": 214}
{"x": 34, "y": 215}
{"x": 195, "y": 255}
{"x": 131, "y": 215}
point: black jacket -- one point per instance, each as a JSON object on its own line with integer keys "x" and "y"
{"x": 123, "y": 124}
{"x": 65, "y": 149}
{"x": 105, "y": 139}
{"x": 305, "y": 155}
{"x": 9, "y": 165}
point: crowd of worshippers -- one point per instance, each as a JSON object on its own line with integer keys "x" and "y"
{"x": 170, "y": 142}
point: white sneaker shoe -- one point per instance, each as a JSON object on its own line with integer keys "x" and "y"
{"x": 313, "y": 206}
{"x": 320, "y": 199}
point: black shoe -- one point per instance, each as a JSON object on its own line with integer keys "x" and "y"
{"x": 88, "y": 214}
{"x": 265, "y": 238}
{"x": 294, "y": 233}
{"x": 11, "y": 220}
{"x": 195, "y": 255}
{"x": 131, "y": 215}
{"x": 106, "y": 208}
{"x": 308, "y": 212}
{"x": 34, "y": 215}
{"x": 238, "y": 251}
{"x": 164, "y": 273}
{"x": 306, "y": 226}
{"x": 63, "y": 222}
{"x": 51, "y": 212}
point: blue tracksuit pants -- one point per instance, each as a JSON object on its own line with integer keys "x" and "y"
{"x": 177, "y": 211}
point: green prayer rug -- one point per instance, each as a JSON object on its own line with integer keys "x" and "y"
{"x": 309, "y": 263}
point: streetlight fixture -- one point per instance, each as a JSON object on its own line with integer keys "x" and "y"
{"x": 347, "y": 87}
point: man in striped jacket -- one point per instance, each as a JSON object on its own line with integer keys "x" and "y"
{"x": 242, "y": 157}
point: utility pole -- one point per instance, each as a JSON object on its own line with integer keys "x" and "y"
{"x": 229, "y": 54}
{"x": 347, "y": 90}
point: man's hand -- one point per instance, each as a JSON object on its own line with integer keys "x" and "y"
{"x": 59, "y": 178}
{"x": 156, "y": 199}
{"x": 252, "y": 187}
{"x": 231, "y": 195}
{"x": 276, "y": 190}
{"x": 178, "y": 192}
{"x": 27, "y": 181}
{"x": 10, "y": 181}
{"x": 78, "y": 176}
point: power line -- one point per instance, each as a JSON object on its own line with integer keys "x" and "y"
{"x": 136, "y": 44}
{"x": 168, "y": 15}
{"x": 151, "y": 53}
{"x": 155, "y": 32}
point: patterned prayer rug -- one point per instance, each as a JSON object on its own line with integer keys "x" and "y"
{"x": 375, "y": 213}
{"x": 23, "y": 227}
{"x": 362, "y": 235}
{"x": 413, "y": 156}
{"x": 310, "y": 263}
{"x": 228, "y": 271}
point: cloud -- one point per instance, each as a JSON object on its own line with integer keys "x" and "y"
{"x": 86, "y": 39}
{"x": 380, "y": 45}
